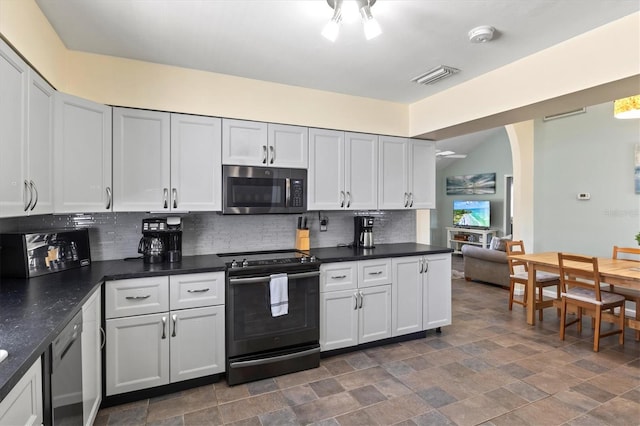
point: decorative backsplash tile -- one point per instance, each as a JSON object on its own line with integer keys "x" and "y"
{"x": 116, "y": 235}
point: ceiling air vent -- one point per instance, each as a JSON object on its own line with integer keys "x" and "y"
{"x": 435, "y": 74}
{"x": 564, "y": 114}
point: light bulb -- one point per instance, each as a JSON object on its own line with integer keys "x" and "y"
{"x": 372, "y": 29}
{"x": 331, "y": 30}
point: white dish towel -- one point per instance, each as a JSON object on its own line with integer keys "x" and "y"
{"x": 279, "y": 289}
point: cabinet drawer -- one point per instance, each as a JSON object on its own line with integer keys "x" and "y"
{"x": 338, "y": 276}
{"x": 374, "y": 272}
{"x": 196, "y": 290}
{"x": 137, "y": 296}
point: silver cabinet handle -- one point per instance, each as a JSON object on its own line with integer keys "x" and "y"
{"x": 109, "y": 198}
{"x": 34, "y": 188}
{"x": 202, "y": 290}
{"x": 174, "y": 195}
{"x": 174, "y": 318}
{"x": 27, "y": 191}
{"x": 421, "y": 265}
{"x": 361, "y": 299}
{"x": 375, "y": 273}
{"x": 264, "y": 154}
{"x": 355, "y": 297}
{"x": 341, "y": 199}
{"x": 165, "y": 196}
{"x": 272, "y": 154}
{"x": 426, "y": 266}
{"x": 406, "y": 199}
{"x": 411, "y": 199}
{"x": 338, "y": 277}
{"x": 138, "y": 297}
{"x": 164, "y": 327}
{"x": 348, "y": 199}
{"x": 103, "y": 338}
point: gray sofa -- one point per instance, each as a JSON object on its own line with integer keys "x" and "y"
{"x": 487, "y": 265}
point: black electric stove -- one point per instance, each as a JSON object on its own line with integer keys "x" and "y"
{"x": 243, "y": 263}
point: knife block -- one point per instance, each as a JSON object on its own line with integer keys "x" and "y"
{"x": 302, "y": 239}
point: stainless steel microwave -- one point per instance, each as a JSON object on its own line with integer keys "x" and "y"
{"x": 263, "y": 190}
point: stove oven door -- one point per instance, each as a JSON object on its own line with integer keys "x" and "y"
{"x": 257, "y": 341}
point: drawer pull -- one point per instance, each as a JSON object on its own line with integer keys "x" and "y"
{"x": 338, "y": 277}
{"x": 138, "y": 297}
{"x": 375, "y": 273}
{"x": 202, "y": 290}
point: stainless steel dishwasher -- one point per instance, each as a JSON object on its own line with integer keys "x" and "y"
{"x": 66, "y": 375}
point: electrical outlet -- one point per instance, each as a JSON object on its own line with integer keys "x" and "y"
{"x": 323, "y": 224}
{"x": 584, "y": 196}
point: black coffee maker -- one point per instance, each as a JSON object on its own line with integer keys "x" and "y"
{"x": 161, "y": 240}
{"x": 363, "y": 231}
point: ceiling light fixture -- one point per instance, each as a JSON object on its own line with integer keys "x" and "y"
{"x": 449, "y": 154}
{"x": 435, "y": 74}
{"x": 371, "y": 27}
{"x": 627, "y": 107}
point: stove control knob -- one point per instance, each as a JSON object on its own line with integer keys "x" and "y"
{"x": 245, "y": 263}
{"x": 234, "y": 264}
{"x": 313, "y": 259}
{"x": 304, "y": 259}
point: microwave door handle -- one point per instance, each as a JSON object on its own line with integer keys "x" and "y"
{"x": 287, "y": 201}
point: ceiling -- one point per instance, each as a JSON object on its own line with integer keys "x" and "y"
{"x": 280, "y": 41}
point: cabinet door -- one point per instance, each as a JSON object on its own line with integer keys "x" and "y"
{"x": 23, "y": 404}
{"x": 374, "y": 313}
{"x": 393, "y": 173}
{"x": 82, "y": 156}
{"x": 14, "y": 188}
{"x": 137, "y": 353}
{"x": 91, "y": 358}
{"x": 244, "y": 142}
{"x": 422, "y": 179}
{"x": 196, "y": 168}
{"x": 437, "y": 291}
{"x": 288, "y": 146}
{"x": 361, "y": 171}
{"x": 141, "y": 160}
{"x": 197, "y": 342}
{"x": 407, "y": 295}
{"x": 40, "y": 144}
{"x": 196, "y": 290}
{"x": 326, "y": 170}
{"x": 338, "y": 319}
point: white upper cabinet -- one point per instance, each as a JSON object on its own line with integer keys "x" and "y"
{"x": 252, "y": 143}
{"x": 141, "y": 160}
{"x": 82, "y": 172}
{"x": 26, "y": 138}
{"x": 407, "y": 173}
{"x": 343, "y": 170}
{"x": 196, "y": 168}
{"x": 166, "y": 162}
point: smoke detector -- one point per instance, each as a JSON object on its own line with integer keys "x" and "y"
{"x": 481, "y": 34}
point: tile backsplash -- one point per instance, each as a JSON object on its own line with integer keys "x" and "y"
{"x": 116, "y": 235}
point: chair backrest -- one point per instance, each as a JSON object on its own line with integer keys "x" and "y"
{"x": 579, "y": 271}
{"x": 626, "y": 250}
{"x": 514, "y": 248}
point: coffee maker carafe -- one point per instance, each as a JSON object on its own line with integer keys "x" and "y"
{"x": 161, "y": 240}
{"x": 363, "y": 232}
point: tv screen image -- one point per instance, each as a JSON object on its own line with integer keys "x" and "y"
{"x": 472, "y": 214}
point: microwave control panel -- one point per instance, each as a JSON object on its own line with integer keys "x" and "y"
{"x": 297, "y": 193}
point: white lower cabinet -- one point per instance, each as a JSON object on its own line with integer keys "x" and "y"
{"x": 91, "y": 357}
{"x": 437, "y": 291}
{"x": 23, "y": 404}
{"x": 407, "y": 295}
{"x": 355, "y": 303}
{"x": 154, "y": 349}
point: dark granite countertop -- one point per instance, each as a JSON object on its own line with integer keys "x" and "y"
{"x": 33, "y": 311}
{"x": 344, "y": 254}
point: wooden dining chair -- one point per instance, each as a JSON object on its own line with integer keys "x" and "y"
{"x": 580, "y": 282}
{"x": 519, "y": 274}
{"x": 628, "y": 253}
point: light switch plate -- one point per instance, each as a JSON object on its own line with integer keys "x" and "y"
{"x": 584, "y": 196}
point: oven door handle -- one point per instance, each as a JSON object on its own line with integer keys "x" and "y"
{"x": 270, "y": 360}
{"x": 268, "y": 278}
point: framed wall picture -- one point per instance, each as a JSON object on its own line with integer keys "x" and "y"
{"x": 482, "y": 183}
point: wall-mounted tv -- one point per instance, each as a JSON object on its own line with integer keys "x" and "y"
{"x": 471, "y": 214}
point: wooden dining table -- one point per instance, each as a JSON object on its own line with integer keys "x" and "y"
{"x": 618, "y": 272}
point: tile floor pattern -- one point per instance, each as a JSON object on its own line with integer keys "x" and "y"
{"x": 487, "y": 368}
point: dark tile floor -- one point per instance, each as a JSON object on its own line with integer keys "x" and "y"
{"x": 488, "y": 368}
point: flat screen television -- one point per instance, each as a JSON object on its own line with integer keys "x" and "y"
{"x": 471, "y": 214}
